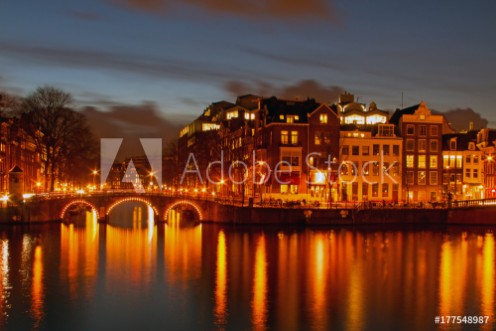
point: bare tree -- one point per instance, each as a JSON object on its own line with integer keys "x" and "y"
{"x": 61, "y": 135}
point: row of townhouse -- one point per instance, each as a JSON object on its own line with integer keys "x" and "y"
{"x": 18, "y": 151}
{"x": 289, "y": 149}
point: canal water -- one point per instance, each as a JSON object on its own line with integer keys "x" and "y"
{"x": 133, "y": 275}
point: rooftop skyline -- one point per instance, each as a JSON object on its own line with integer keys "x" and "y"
{"x": 182, "y": 56}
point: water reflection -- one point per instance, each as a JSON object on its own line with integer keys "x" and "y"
{"x": 486, "y": 280}
{"x": 37, "y": 287}
{"x": 79, "y": 255}
{"x": 259, "y": 303}
{"x": 220, "y": 311}
{"x": 96, "y": 276}
{"x": 4, "y": 283}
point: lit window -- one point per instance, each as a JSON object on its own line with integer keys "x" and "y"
{"x": 292, "y": 118}
{"x": 284, "y": 137}
{"x": 281, "y": 117}
{"x": 409, "y": 161}
{"x": 433, "y": 161}
{"x": 365, "y": 150}
{"x": 294, "y": 137}
{"x": 421, "y": 161}
{"x": 210, "y": 126}
{"x": 232, "y": 114}
{"x": 323, "y": 118}
{"x": 459, "y": 161}
{"x": 318, "y": 138}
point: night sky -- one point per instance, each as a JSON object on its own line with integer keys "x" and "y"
{"x": 182, "y": 55}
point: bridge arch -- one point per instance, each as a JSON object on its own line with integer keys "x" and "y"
{"x": 76, "y": 202}
{"x": 184, "y": 202}
{"x": 128, "y": 199}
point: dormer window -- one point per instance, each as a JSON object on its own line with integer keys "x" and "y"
{"x": 471, "y": 146}
{"x": 292, "y": 118}
{"x": 453, "y": 144}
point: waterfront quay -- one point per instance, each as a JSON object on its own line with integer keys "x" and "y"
{"x": 211, "y": 209}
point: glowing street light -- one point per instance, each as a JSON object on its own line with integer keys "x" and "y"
{"x": 94, "y": 173}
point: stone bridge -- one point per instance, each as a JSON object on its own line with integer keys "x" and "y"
{"x": 56, "y": 207}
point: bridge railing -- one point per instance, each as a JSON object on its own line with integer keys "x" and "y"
{"x": 270, "y": 202}
{"x": 474, "y": 203}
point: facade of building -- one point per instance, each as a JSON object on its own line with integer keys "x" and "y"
{"x": 370, "y": 165}
{"x": 296, "y": 139}
{"x": 295, "y": 150}
{"x": 422, "y": 166}
{"x": 18, "y": 149}
{"x": 462, "y": 166}
{"x": 486, "y": 142}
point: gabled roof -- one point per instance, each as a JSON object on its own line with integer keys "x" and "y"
{"x": 395, "y": 119}
{"x": 322, "y": 105}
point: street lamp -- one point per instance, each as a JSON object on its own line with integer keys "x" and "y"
{"x": 94, "y": 173}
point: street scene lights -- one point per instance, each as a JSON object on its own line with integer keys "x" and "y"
{"x": 94, "y": 173}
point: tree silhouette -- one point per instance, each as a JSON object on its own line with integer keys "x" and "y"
{"x": 61, "y": 135}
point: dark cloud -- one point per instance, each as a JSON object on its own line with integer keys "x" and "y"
{"x": 294, "y": 59}
{"x": 460, "y": 119}
{"x": 88, "y": 16}
{"x": 165, "y": 67}
{"x": 251, "y": 10}
{"x": 131, "y": 122}
{"x": 301, "y": 90}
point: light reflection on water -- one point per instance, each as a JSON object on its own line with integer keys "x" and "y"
{"x": 133, "y": 274}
